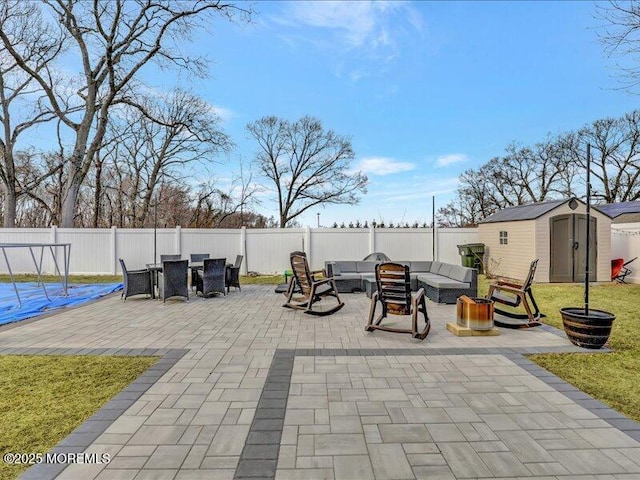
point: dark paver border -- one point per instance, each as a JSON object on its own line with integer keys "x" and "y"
{"x": 84, "y": 435}
{"x": 259, "y": 456}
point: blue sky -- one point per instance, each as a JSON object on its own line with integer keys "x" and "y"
{"x": 425, "y": 90}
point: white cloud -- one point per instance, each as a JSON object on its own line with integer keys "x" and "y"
{"x": 223, "y": 113}
{"x": 373, "y": 30}
{"x": 383, "y": 166}
{"x": 354, "y": 20}
{"x": 447, "y": 160}
{"x": 418, "y": 188}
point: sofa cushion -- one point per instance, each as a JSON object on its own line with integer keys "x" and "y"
{"x": 366, "y": 267}
{"x": 346, "y": 266}
{"x": 423, "y": 277}
{"x": 443, "y": 282}
{"x": 418, "y": 266}
{"x": 461, "y": 274}
{"x": 348, "y": 276}
{"x": 445, "y": 269}
{"x": 435, "y": 266}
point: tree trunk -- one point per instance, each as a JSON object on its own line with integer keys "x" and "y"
{"x": 10, "y": 200}
{"x": 97, "y": 194}
{"x": 68, "y": 207}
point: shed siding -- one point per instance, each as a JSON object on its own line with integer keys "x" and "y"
{"x": 511, "y": 260}
{"x": 543, "y": 241}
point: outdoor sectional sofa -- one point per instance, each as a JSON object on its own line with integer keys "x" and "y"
{"x": 442, "y": 282}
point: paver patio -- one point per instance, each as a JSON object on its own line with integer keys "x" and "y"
{"x": 249, "y": 389}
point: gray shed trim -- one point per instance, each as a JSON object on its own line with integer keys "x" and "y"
{"x": 616, "y": 209}
{"x": 530, "y": 211}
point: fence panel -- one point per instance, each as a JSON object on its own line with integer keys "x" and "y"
{"x": 136, "y": 246}
{"x": 91, "y": 249}
{"x": 218, "y": 243}
{"x": 268, "y": 249}
{"x": 20, "y": 258}
{"x": 405, "y": 243}
{"x": 338, "y": 244}
{"x": 448, "y": 240}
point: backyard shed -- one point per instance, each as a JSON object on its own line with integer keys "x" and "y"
{"x": 622, "y": 212}
{"x": 552, "y": 231}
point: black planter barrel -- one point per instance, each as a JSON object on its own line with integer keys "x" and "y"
{"x": 587, "y": 331}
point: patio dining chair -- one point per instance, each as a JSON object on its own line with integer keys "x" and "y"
{"x": 394, "y": 294}
{"x": 196, "y": 257}
{"x": 172, "y": 281}
{"x": 313, "y": 288}
{"x": 164, "y": 258}
{"x": 514, "y": 295}
{"x": 212, "y": 278}
{"x": 136, "y": 282}
{"x": 233, "y": 274}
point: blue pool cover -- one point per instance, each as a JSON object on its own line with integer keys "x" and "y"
{"x": 35, "y": 303}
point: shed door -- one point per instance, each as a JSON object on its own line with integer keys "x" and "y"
{"x": 567, "y": 248}
{"x": 579, "y": 267}
{"x": 561, "y": 249}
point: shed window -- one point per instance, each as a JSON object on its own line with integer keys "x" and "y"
{"x": 503, "y": 238}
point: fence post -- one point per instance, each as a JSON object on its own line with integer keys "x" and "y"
{"x": 114, "y": 250}
{"x": 307, "y": 244}
{"x": 372, "y": 239}
{"x": 54, "y": 238}
{"x": 436, "y": 239}
{"x": 243, "y": 250}
{"x": 179, "y": 239}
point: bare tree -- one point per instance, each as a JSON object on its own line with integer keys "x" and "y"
{"x": 523, "y": 175}
{"x": 21, "y": 102}
{"x": 157, "y": 144}
{"x": 620, "y": 36}
{"x": 226, "y": 208}
{"x": 307, "y": 165}
{"x": 615, "y": 153}
{"x": 114, "y": 40}
{"x": 554, "y": 168}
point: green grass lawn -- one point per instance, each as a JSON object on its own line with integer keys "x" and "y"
{"x": 44, "y": 398}
{"x": 613, "y": 378}
{"x": 262, "y": 280}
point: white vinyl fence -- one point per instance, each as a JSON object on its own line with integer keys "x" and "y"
{"x": 625, "y": 243}
{"x": 96, "y": 251}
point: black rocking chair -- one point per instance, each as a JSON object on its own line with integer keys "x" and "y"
{"x": 394, "y": 294}
{"x": 513, "y": 295}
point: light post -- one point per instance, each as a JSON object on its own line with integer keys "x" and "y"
{"x": 155, "y": 230}
{"x": 318, "y": 219}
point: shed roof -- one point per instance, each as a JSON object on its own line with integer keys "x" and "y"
{"x": 530, "y": 211}
{"x": 616, "y": 209}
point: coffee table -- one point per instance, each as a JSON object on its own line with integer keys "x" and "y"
{"x": 369, "y": 286}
